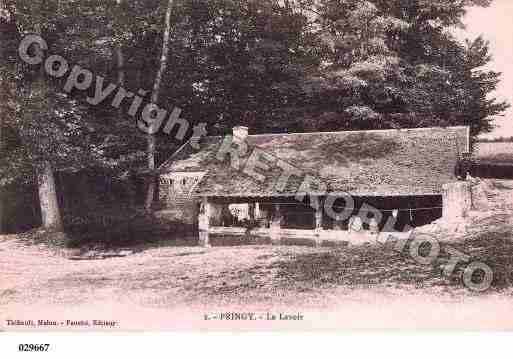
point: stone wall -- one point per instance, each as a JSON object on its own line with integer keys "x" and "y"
{"x": 164, "y": 192}
{"x": 179, "y": 207}
{"x": 186, "y": 213}
{"x": 457, "y": 200}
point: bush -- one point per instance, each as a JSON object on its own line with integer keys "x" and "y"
{"x": 121, "y": 227}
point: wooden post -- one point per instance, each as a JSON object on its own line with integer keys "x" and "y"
{"x": 275, "y": 227}
{"x": 318, "y": 225}
{"x": 204, "y": 223}
{"x": 251, "y": 211}
{"x": 258, "y": 213}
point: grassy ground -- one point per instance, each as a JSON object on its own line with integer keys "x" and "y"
{"x": 257, "y": 276}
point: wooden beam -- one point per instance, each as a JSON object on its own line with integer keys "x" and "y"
{"x": 275, "y": 227}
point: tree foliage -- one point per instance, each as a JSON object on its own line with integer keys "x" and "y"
{"x": 394, "y": 64}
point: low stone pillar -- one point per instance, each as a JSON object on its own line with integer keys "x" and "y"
{"x": 457, "y": 201}
{"x": 481, "y": 191}
{"x": 204, "y": 223}
{"x": 374, "y": 226}
{"x": 275, "y": 226}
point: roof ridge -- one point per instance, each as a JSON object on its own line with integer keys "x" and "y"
{"x": 350, "y": 131}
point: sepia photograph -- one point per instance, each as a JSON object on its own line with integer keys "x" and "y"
{"x": 255, "y": 165}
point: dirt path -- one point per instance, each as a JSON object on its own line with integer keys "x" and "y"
{"x": 171, "y": 288}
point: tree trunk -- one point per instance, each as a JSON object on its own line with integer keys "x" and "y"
{"x": 120, "y": 64}
{"x": 50, "y": 213}
{"x": 151, "y": 139}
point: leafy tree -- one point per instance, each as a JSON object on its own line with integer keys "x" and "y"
{"x": 51, "y": 128}
{"x": 395, "y": 64}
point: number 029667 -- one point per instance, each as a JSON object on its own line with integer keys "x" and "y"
{"x": 33, "y": 347}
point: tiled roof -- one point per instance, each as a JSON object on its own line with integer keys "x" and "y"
{"x": 365, "y": 163}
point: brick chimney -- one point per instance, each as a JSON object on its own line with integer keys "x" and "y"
{"x": 240, "y": 133}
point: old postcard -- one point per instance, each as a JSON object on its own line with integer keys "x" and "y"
{"x": 265, "y": 165}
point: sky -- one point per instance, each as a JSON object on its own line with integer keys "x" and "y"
{"x": 495, "y": 23}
